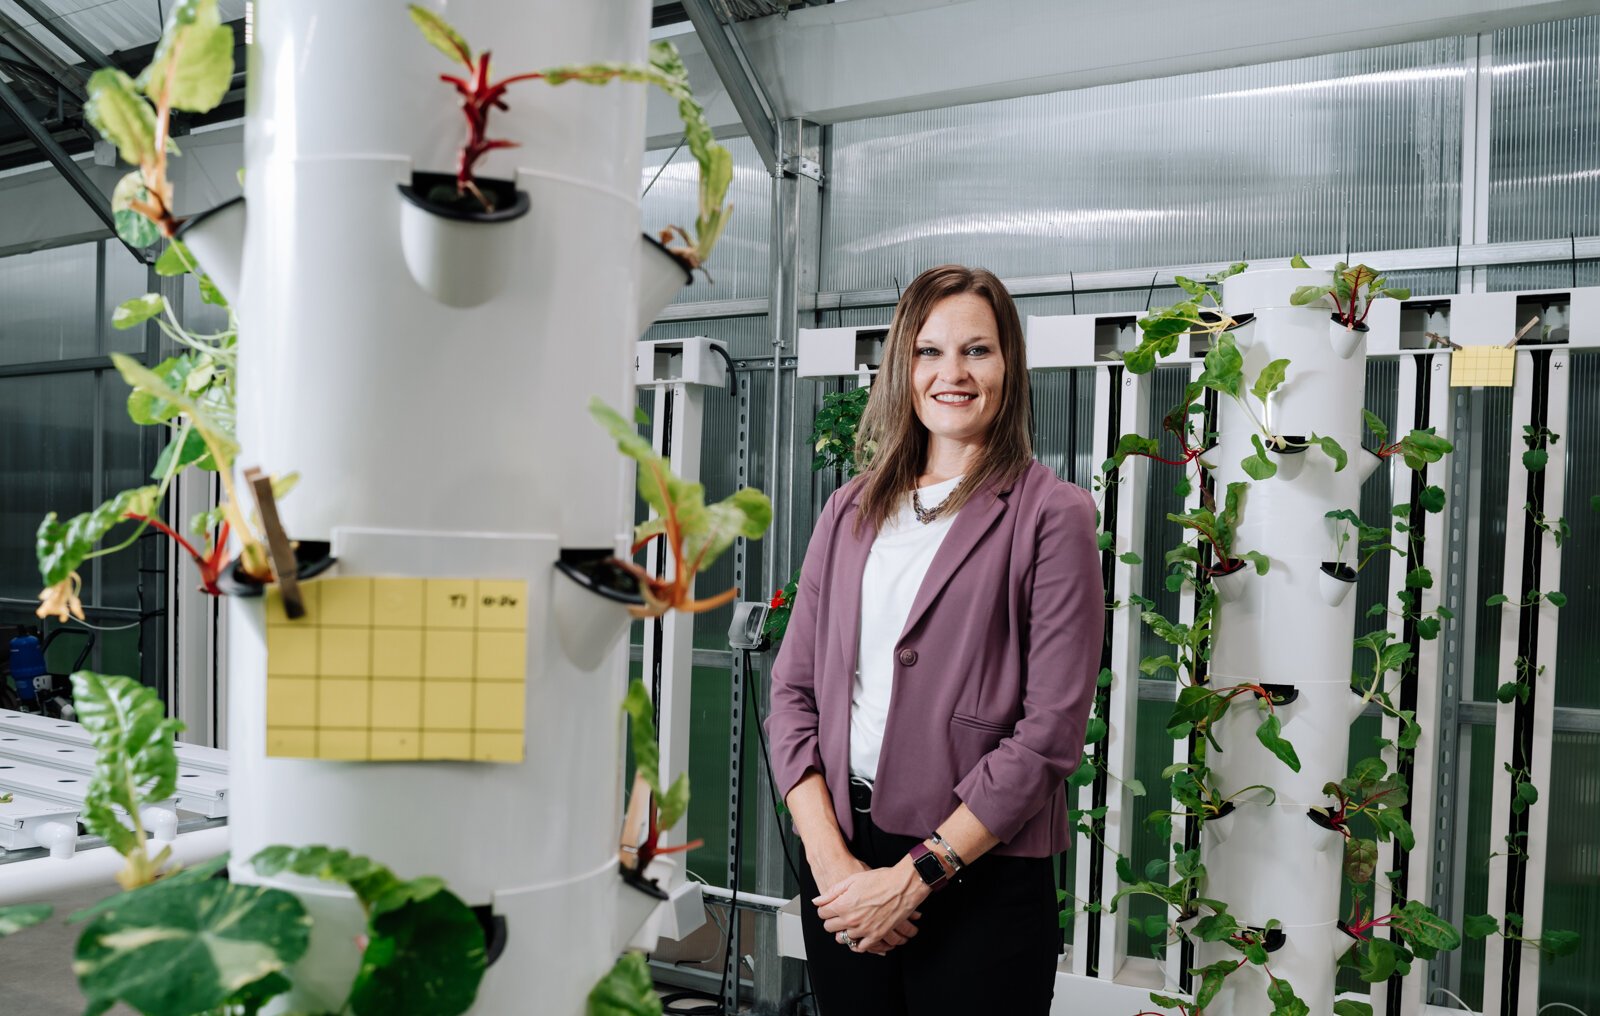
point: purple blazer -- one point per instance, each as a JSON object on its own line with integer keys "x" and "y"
{"x": 994, "y": 674}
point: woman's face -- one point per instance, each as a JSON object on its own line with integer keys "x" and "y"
{"x": 957, "y": 371}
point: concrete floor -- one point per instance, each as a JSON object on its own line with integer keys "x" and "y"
{"x": 36, "y": 965}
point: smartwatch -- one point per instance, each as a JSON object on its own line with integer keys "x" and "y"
{"x": 928, "y": 867}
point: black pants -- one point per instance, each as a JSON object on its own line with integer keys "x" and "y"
{"x": 986, "y": 945}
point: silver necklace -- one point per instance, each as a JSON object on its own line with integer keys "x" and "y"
{"x": 927, "y": 515}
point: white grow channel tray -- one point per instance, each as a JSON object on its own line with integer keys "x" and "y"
{"x": 52, "y": 759}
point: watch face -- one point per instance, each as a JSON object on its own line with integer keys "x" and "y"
{"x": 929, "y": 868}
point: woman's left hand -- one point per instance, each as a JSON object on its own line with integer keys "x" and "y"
{"x": 874, "y": 907}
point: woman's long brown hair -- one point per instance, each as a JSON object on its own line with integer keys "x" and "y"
{"x": 892, "y": 440}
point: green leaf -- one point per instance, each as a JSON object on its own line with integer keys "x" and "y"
{"x": 137, "y": 310}
{"x": 1298, "y": 262}
{"x": 1269, "y": 733}
{"x": 1428, "y": 628}
{"x": 1377, "y": 960}
{"x": 1284, "y": 1001}
{"x": 14, "y": 919}
{"x": 1509, "y": 692}
{"x": 1135, "y": 444}
{"x": 175, "y": 260}
{"x": 133, "y": 227}
{"x": 1360, "y": 860}
{"x": 1419, "y": 578}
{"x": 441, "y": 36}
{"x": 1130, "y": 558}
{"x": 1084, "y": 774}
{"x": 1422, "y": 927}
{"x": 1480, "y": 925}
{"x": 1527, "y": 794}
{"x": 61, "y": 547}
{"x": 1349, "y": 1007}
{"x": 1380, "y": 431}
{"x": 1224, "y": 368}
{"x": 1095, "y": 731}
{"x": 626, "y": 990}
{"x": 121, "y": 115}
{"x": 1432, "y": 499}
{"x": 193, "y": 63}
{"x": 1496, "y": 599}
{"x": 1535, "y": 460}
{"x": 136, "y": 762}
{"x": 1258, "y": 466}
{"x": 1270, "y": 378}
{"x": 1105, "y": 541}
{"x": 163, "y": 393}
{"x": 1260, "y": 560}
{"x": 1304, "y": 295}
{"x": 1556, "y": 597}
{"x": 185, "y": 947}
{"x": 1559, "y": 943}
{"x": 1421, "y": 447}
{"x": 1135, "y": 787}
{"x": 1390, "y": 821}
{"x": 425, "y": 954}
{"x": 1333, "y": 450}
{"x": 1105, "y": 677}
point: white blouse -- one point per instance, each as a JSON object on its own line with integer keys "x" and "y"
{"x": 899, "y": 559}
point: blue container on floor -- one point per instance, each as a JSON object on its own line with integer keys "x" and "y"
{"x": 27, "y": 663}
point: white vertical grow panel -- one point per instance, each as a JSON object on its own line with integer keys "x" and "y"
{"x": 1279, "y": 629}
{"x": 1532, "y": 562}
{"x": 1430, "y": 675}
{"x": 1108, "y": 932}
{"x": 438, "y": 441}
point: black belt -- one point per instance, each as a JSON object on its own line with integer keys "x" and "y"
{"x": 860, "y": 795}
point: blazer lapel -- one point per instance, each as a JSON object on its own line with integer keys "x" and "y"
{"x": 971, "y": 525}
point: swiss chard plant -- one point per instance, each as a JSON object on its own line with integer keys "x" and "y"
{"x": 696, "y": 533}
{"x": 1415, "y": 932}
{"x": 191, "y": 394}
{"x": 668, "y": 804}
{"x": 1419, "y": 448}
{"x": 1201, "y": 312}
{"x": 1352, "y": 291}
{"x": 481, "y": 95}
{"x": 1370, "y": 540}
{"x": 1217, "y": 529}
{"x": 1377, "y": 797}
{"x": 186, "y": 941}
{"x": 191, "y": 71}
{"x": 1224, "y": 374}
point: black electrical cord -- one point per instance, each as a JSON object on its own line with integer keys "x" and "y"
{"x": 733, "y": 381}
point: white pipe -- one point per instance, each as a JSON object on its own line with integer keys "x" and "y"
{"x": 727, "y": 894}
{"x": 47, "y": 878}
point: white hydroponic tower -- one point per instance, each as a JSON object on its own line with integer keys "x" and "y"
{"x": 435, "y": 440}
{"x": 1293, "y": 626}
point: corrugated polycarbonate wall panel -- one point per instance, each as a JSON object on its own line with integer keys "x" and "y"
{"x": 1544, "y": 164}
{"x": 1349, "y": 151}
{"x": 740, "y": 265}
{"x": 1577, "y": 639}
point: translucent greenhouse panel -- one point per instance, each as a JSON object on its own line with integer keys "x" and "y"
{"x": 1544, "y": 171}
{"x": 1473, "y": 807}
{"x": 1493, "y": 434}
{"x": 125, "y": 279}
{"x": 43, "y": 313}
{"x": 47, "y": 459}
{"x": 1350, "y": 151}
{"x": 1577, "y": 641}
{"x": 125, "y": 466}
{"x": 1572, "y": 870}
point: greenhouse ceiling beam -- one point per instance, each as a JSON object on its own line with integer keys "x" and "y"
{"x": 1520, "y": 252}
{"x": 847, "y": 61}
{"x": 721, "y": 45}
{"x": 56, "y": 24}
{"x": 74, "y": 174}
{"x": 70, "y": 78}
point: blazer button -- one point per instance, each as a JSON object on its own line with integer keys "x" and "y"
{"x": 908, "y": 657}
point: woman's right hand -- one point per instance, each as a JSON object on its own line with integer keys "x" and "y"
{"x": 839, "y": 865}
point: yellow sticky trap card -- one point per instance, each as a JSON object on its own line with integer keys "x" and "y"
{"x": 393, "y": 669}
{"x": 1483, "y": 367}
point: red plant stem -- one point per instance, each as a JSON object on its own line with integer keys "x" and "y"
{"x": 163, "y": 527}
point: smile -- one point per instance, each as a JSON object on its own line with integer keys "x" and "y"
{"x": 953, "y": 399}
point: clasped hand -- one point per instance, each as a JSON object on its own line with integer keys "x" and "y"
{"x": 875, "y": 907}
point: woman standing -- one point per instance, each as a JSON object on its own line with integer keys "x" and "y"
{"x": 936, "y": 678}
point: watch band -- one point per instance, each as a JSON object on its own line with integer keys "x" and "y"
{"x": 928, "y": 866}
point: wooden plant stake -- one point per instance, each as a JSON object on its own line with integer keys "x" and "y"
{"x": 284, "y": 565}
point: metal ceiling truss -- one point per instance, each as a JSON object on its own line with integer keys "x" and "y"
{"x": 56, "y": 24}
{"x": 750, "y": 99}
